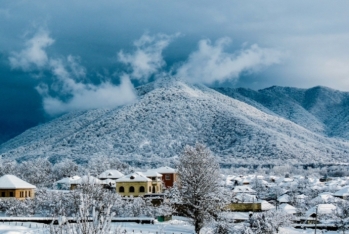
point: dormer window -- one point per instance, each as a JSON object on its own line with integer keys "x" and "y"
{"x": 132, "y": 177}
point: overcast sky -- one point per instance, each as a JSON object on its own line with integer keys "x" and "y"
{"x": 61, "y": 56}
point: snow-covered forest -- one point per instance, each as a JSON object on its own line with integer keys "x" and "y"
{"x": 263, "y": 127}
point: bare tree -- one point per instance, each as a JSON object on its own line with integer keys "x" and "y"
{"x": 341, "y": 215}
{"x": 199, "y": 193}
{"x": 268, "y": 222}
{"x": 94, "y": 211}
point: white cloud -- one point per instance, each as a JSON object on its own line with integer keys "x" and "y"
{"x": 210, "y": 63}
{"x": 105, "y": 95}
{"x": 68, "y": 80}
{"x": 147, "y": 59}
{"x": 84, "y": 96}
{"x": 34, "y": 54}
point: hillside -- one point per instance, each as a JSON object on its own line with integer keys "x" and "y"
{"x": 169, "y": 115}
{"x": 319, "y": 109}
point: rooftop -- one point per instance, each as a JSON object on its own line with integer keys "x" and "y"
{"x": 13, "y": 182}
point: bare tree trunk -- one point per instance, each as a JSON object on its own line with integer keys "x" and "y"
{"x": 197, "y": 227}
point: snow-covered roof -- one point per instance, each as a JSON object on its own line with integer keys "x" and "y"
{"x": 111, "y": 174}
{"x": 88, "y": 180}
{"x": 151, "y": 173}
{"x": 342, "y": 192}
{"x": 236, "y": 215}
{"x": 321, "y": 209}
{"x": 109, "y": 182}
{"x": 13, "y": 182}
{"x": 68, "y": 180}
{"x": 244, "y": 198}
{"x": 243, "y": 189}
{"x": 284, "y": 198}
{"x": 302, "y": 196}
{"x": 134, "y": 177}
{"x": 288, "y": 208}
{"x": 288, "y": 179}
{"x": 266, "y": 205}
{"x": 165, "y": 170}
{"x": 323, "y": 198}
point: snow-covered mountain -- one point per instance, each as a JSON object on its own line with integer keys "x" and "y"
{"x": 239, "y": 126}
{"x": 319, "y": 109}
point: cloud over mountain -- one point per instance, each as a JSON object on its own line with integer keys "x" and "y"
{"x": 210, "y": 63}
{"x": 69, "y": 89}
{"x": 147, "y": 58}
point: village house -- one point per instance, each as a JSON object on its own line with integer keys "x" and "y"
{"x": 109, "y": 178}
{"x": 67, "y": 182}
{"x": 320, "y": 210}
{"x": 342, "y": 193}
{"x": 244, "y": 200}
{"x": 243, "y": 189}
{"x": 155, "y": 179}
{"x": 169, "y": 175}
{"x": 137, "y": 184}
{"x": 85, "y": 180}
{"x": 12, "y": 187}
{"x": 110, "y": 174}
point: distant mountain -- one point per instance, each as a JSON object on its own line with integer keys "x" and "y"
{"x": 238, "y": 125}
{"x": 321, "y": 110}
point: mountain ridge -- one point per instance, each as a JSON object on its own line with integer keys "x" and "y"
{"x": 170, "y": 114}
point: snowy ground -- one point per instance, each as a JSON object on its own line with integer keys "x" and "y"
{"x": 175, "y": 226}
{"x": 301, "y": 231}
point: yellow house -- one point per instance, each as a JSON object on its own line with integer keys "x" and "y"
{"x": 137, "y": 184}
{"x": 157, "y": 183}
{"x": 12, "y": 187}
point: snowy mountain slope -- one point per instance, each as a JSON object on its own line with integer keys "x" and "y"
{"x": 319, "y": 109}
{"x": 169, "y": 115}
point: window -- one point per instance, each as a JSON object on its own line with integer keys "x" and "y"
{"x": 121, "y": 189}
{"x": 149, "y": 189}
{"x": 11, "y": 194}
{"x": 141, "y": 189}
{"x": 25, "y": 193}
{"x": 29, "y": 193}
{"x": 21, "y": 194}
{"x": 167, "y": 177}
{"x": 132, "y": 189}
{"x": 3, "y": 194}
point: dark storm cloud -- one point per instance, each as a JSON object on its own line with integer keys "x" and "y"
{"x": 314, "y": 34}
{"x": 68, "y": 78}
{"x": 209, "y": 64}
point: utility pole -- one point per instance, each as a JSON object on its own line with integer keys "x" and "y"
{"x": 316, "y": 219}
